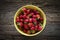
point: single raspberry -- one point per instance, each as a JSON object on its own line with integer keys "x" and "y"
{"x": 38, "y": 16}
{"x": 30, "y": 20}
{"x": 21, "y": 16}
{"x": 30, "y": 24}
{"x": 21, "y": 20}
{"x": 26, "y": 26}
{"x": 32, "y": 28}
{"x": 28, "y": 11}
{"x": 39, "y": 28}
{"x": 34, "y": 16}
{"x": 21, "y": 24}
{"x": 41, "y": 19}
{"x": 24, "y": 16}
{"x": 24, "y": 9}
{"x": 25, "y": 31}
{"x": 32, "y": 13}
{"x": 33, "y": 19}
{"x": 17, "y": 19}
{"x": 26, "y": 20}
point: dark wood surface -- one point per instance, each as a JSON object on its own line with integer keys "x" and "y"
{"x": 8, "y": 9}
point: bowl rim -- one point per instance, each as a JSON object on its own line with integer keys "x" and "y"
{"x": 44, "y": 22}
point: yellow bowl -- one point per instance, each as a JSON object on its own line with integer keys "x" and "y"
{"x": 41, "y": 13}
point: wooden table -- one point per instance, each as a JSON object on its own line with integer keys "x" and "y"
{"x": 8, "y": 9}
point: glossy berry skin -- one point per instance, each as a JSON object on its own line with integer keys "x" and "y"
{"x": 28, "y": 11}
{"x": 34, "y": 16}
{"x": 21, "y": 16}
{"x": 17, "y": 19}
{"x": 32, "y": 13}
{"x": 33, "y": 19}
{"x": 24, "y": 10}
{"x": 41, "y": 19}
{"x": 36, "y": 27}
{"x": 35, "y": 12}
{"x": 39, "y": 28}
{"x": 24, "y": 16}
{"x": 25, "y": 26}
{"x": 30, "y": 24}
{"x": 27, "y": 17}
{"x": 21, "y": 20}
{"x": 21, "y": 24}
{"x": 38, "y": 16}
{"x": 25, "y": 30}
{"x": 32, "y": 28}
{"x": 26, "y": 20}
{"x": 30, "y": 20}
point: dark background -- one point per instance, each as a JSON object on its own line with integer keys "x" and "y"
{"x": 8, "y": 9}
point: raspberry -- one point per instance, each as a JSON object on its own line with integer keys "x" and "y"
{"x": 34, "y": 16}
{"x": 30, "y": 20}
{"x": 30, "y": 24}
{"x": 41, "y": 19}
{"x": 17, "y": 19}
{"x": 32, "y": 13}
{"x": 21, "y": 16}
{"x": 21, "y": 20}
{"x": 32, "y": 28}
{"x": 33, "y": 19}
{"x": 25, "y": 26}
{"x": 39, "y": 28}
{"x": 36, "y": 27}
{"x": 21, "y": 24}
{"x": 38, "y": 16}
{"x": 25, "y": 31}
{"x": 25, "y": 10}
{"x": 24, "y": 16}
{"x": 26, "y": 20}
{"x": 28, "y": 11}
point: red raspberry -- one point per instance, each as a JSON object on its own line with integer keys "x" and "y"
{"x": 37, "y": 12}
{"x": 21, "y": 16}
{"x": 31, "y": 24}
{"x": 32, "y": 13}
{"x": 27, "y": 17}
{"x": 17, "y": 19}
{"x": 26, "y": 20}
{"x": 33, "y": 19}
{"x": 39, "y": 28}
{"x": 41, "y": 19}
{"x": 25, "y": 31}
{"x": 24, "y": 16}
{"x": 21, "y": 20}
{"x": 36, "y": 27}
{"x": 28, "y": 11}
{"x": 30, "y": 20}
{"x": 25, "y": 10}
{"x": 25, "y": 26}
{"x": 25, "y": 13}
{"x": 38, "y": 16}
{"x": 32, "y": 28}
{"x": 21, "y": 24}
{"x": 34, "y": 16}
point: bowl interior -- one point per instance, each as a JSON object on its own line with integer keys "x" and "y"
{"x": 34, "y": 8}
